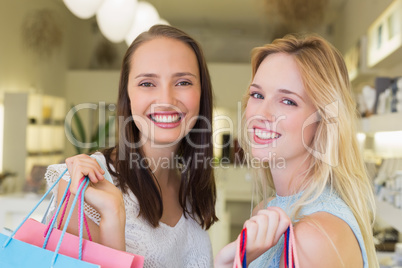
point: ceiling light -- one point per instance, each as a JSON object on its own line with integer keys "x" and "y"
{"x": 115, "y": 18}
{"x": 83, "y": 9}
{"x": 145, "y": 16}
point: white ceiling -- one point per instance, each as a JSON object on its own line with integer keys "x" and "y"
{"x": 229, "y": 29}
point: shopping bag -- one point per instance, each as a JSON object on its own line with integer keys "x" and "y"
{"x": 240, "y": 260}
{"x": 20, "y": 254}
{"x": 15, "y": 253}
{"x": 289, "y": 249}
{"x": 92, "y": 252}
{"x": 38, "y": 234}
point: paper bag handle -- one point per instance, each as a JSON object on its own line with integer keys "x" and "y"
{"x": 240, "y": 260}
{"x": 81, "y": 189}
{"x": 291, "y": 259}
{"x": 32, "y": 211}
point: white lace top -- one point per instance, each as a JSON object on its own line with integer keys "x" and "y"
{"x": 184, "y": 245}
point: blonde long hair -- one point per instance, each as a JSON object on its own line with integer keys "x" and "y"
{"x": 326, "y": 82}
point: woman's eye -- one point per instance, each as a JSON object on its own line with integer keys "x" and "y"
{"x": 184, "y": 83}
{"x": 256, "y": 95}
{"x": 289, "y": 102}
{"x": 146, "y": 84}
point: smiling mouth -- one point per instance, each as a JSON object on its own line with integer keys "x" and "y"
{"x": 166, "y": 118}
{"x": 266, "y": 135}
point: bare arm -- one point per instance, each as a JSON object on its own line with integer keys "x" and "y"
{"x": 324, "y": 240}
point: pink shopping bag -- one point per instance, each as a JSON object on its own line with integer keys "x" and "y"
{"x": 32, "y": 232}
{"x": 38, "y": 234}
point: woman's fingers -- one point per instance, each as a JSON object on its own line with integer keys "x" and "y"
{"x": 283, "y": 224}
{"x": 272, "y": 228}
{"x": 83, "y": 165}
{"x": 264, "y": 230}
{"x": 83, "y": 162}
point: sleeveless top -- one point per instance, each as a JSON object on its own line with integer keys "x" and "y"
{"x": 184, "y": 245}
{"x": 329, "y": 202}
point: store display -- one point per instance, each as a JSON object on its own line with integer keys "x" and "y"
{"x": 381, "y": 85}
{"x": 388, "y": 182}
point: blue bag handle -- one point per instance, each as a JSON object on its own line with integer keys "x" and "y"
{"x": 84, "y": 184}
{"x": 56, "y": 215}
{"x": 47, "y": 210}
{"x": 36, "y": 206}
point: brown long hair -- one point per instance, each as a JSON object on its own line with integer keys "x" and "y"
{"x": 197, "y": 189}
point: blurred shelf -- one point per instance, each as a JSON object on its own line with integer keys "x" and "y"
{"x": 381, "y": 123}
{"x": 385, "y": 38}
{"x": 390, "y": 214}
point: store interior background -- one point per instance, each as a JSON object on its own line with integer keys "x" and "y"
{"x": 80, "y": 66}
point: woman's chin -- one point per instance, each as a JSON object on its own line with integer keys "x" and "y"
{"x": 165, "y": 142}
{"x": 267, "y": 158}
{"x": 262, "y": 155}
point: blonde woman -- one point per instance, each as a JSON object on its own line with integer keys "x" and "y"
{"x": 299, "y": 112}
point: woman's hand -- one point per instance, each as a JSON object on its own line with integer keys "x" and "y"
{"x": 106, "y": 198}
{"x": 263, "y": 232}
{"x": 102, "y": 195}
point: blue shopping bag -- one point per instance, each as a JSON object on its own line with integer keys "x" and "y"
{"x": 18, "y": 254}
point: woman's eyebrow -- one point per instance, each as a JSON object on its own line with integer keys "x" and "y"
{"x": 255, "y": 85}
{"x": 152, "y": 75}
{"x": 147, "y": 75}
{"x": 180, "y": 74}
{"x": 286, "y": 91}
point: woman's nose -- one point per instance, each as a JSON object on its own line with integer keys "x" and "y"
{"x": 166, "y": 95}
{"x": 266, "y": 111}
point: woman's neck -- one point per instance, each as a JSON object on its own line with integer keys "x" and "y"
{"x": 289, "y": 178}
{"x": 162, "y": 162}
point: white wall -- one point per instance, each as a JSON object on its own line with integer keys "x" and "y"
{"x": 229, "y": 81}
{"x": 85, "y": 86}
{"x": 353, "y": 23}
{"x": 355, "y": 19}
{"x": 20, "y": 68}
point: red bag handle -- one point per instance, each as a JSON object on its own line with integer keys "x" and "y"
{"x": 291, "y": 259}
{"x": 65, "y": 203}
{"x": 240, "y": 260}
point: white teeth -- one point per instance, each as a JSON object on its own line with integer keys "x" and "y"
{"x": 165, "y": 118}
{"x": 265, "y": 135}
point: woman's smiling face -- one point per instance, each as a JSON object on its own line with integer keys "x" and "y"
{"x": 277, "y": 110}
{"x": 164, "y": 89}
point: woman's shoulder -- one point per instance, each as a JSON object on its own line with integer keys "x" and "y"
{"x": 54, "y": 171}
{"x": 325, "y": 240}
